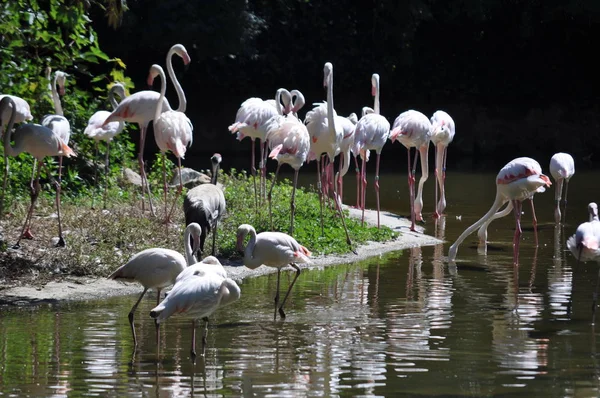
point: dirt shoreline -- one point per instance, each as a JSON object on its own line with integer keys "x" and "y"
{"x": 71, "y": 288}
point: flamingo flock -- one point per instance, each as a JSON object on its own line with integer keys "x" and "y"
{"x": 201, "y": 286}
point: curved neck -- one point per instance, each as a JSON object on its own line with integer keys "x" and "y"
{"x": 249, "y": 249}
{"x": 112, "y": 99}
{"x": 180, "y": 93}
{"x": 376, "y": 104}
{"x": 58, "y": 110}
{"x": 230, "y": 292}
{"x": 189, "y": 254}
{"x": 8, "y": 102}
{"x": 163, "y": 89}
{"x": 278, "y": 101}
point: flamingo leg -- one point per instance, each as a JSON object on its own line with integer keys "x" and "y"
{"x": 253, "y": 172}
{"x": 363, "y": 174}
{"x": 214, "y": 237}
{"x": 340, "y": 179}
{"x": 193, "y": 349}
{"x": 338, "y": 204}
{"x": 441, "y": 206}
{"x": 293, "y": 202}
{"x": 281, "y": 313}
{"x": 35, "y": 191}
{"x": 565, "y": 202}
{"x": 377, "y": 187}
{"x": 270, "y": 194}
{"x": 131, "y": 315}
{"x": 156, "y": 324}
{"x": 106, "y": 161}
{"x": 179, "y": 190}
{"x": 95, "y": 172}
{"x": 535, "y": 231}
{"x": 61, "y": 240}
{"x": 277, "y": 294}
{"x": 144, "y": 177}
{"x": 557, "y": 197}
{"x": 4, "y": 182}
{"x": 320, "y": 189}
{"x": 517, "y": 205}
{"x": 437, "y": 182}
{"x": 164, "y": 170}
{"x": 595, "y": 299}
{"x": 411, "y": 190}
{"x": 358, "y": 196}
{"x": 262, "y": 170}
{"x": 423, "y": 152}
{"x": 204, "y": 335}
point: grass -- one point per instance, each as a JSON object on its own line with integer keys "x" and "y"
{"x": 100, "y": 241}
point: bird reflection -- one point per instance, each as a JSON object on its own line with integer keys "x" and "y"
{"x": 560, "y": 279}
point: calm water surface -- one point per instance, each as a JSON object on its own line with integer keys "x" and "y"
{"x": 405, "y": 323}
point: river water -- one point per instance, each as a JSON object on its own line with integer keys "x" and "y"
{"x": 402, "y": 324}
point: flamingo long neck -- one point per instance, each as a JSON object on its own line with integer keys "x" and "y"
{"x": 229, "y": 291}
{"x": 249, "y": 260}
{"x": 8, "y": 149}
{"x": 330, "y": 110}
{"x": 215, "y": 173}
{"x": 189, "y": 254}
{"x": 163, "y": 89}
{"x": 180, "y": 93}
{"x": 499, "y": 201}
{"x": 112, "y": 99}
{"x": 278, "y": 101}
{"x": 58, "y": 110}
{"x": 376, "y": 104}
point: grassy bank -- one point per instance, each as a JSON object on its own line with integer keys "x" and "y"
{"x": 99, "y": 241}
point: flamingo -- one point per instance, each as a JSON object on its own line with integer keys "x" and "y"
{"x": 562, "y": 168}
{"x": 442, "y": 134}
{"x": 326, "y": 132}
{"x": 413, "y": 129}
{"x": 515, "y": 182}
{"x": 297, "y": 102}
{"x": 252, "y": 120}
{"x": 205, "y": 205}
{"x": 585, "y": 246}
{"x": 23, "y": 114}
{"x": 156, "y": 268}
{"x": 289, "y": 143}
{"x": 372, "y": 131}
{"x": 99, "y": 132}
{"x": 198, "y": 295}
{"x": 140, "y": 108}
{"x": 172, "y": 131}
{"x": 39, "y": 141}
{"x": 58, "y": 122}
{"x": 273, "y": 249}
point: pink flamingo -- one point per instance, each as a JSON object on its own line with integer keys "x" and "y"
{"x": 413, "y": 129}
{"x": 172, "y": 131}
{"x": 39, "y": 141}
{"x": 289, "y": 143}
{"x": 585, "y": 246}
{"x": 442, "y": 135}
{"x": 22, "y": 114}
{"x": 372, "y": 131}
{"x": 97, "y": 131}
{"x": 515, "y": 182}
{"x": 562, "y": 168}
{"x": 273, "y": 249}
{"x": 140, "y": 108}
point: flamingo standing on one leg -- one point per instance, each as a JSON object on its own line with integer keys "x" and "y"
{"x": 273, "y": 249}
{"x": 372, "y": 131}
{"x": 413, "y": 129}
{"x": 289, "y": 142}
{"x": 442, "y": 134}
{"x": 23, "y": 114}
{"x": 585, "y": 246}
{"x": 39, "y": 141}
{"x": 99, "y": 132}
{"x": 515, "y": 182}
{"x": 562, "y": 168}
{"x": 172, "y": 130}
{"x": 157, "y": 268}
{"x": 140, "y": 108}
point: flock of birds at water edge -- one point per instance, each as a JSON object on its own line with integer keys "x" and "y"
{"x": 200, "y": 288}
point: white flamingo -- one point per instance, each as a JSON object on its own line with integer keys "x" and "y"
{"x": 442, "y": 134}
{"x": 326, "y": 131}
{"x": 372, "y": 131}
{"x": 413, "y": 129}
{"x": 273, "y": 249}
{"x": 585, "y": 246}
{"x": 562, "y": 168}
{"x": 39, "y": 142}
{"x": 140, "y": 108}
{"x": 22, "y": 114}
{"x": 289, "y": 143}
{"x": 172, "y": 131}
{"x": 515, "y": 182}
{"x": 97, "y": 131}
{"x": 198, "y": 295}
{"x": 156, "y": 268}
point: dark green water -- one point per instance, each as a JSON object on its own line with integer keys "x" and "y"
{"x": 403, "y": 324}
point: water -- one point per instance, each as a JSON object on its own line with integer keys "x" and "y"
{"x": 402, "y": 324}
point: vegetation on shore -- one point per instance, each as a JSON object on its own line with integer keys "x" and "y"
{"x": 98, "y": 241}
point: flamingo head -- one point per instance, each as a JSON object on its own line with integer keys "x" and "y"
{"x": 119, "y": 90}
{"x": 395, "y": 133}
{"x": 241, "y": 235}
{"x": 180, "y": 50}
{"x": 61, "y": 78}
{"x": 297, "y": 101}
{"x": 327, "y": 72}
{"x": 216, "y": 158}
{"x": 374, "y": 84}
{"x": 154, "y": 71}
{"x": 593, "y": 211}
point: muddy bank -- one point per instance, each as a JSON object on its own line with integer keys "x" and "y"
{"x": 84, "y": 288}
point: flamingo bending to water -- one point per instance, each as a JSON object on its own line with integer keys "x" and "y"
{"x": 442, "y": 134}
{"x": 562, "y": 168}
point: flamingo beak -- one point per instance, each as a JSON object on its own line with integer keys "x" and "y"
{"x": 546, "y": 179}
{"x": 196, "y": 246}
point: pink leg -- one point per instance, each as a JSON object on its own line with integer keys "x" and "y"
{"x": 358, "y": 204}
{"x": 535, "y": 232}
{"x": 164, "y": 168}
{"x": 143, "y": 176}
{"x": 253, "y": 172}
{"x": 363, "y": 174}
{"x": 435, "y": 175}
{"x": 517, "y": 205}
{"x": 293, "y": 203}
{"x": 320, "y": 189}
{"x": 411, "y": 189}
{"x": 179, "y": 190}
{"x": 377, "y": 187}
